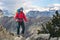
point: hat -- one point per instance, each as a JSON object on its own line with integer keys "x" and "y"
{"x": 20, "y": 9}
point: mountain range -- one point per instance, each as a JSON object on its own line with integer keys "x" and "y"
{"x": 36, "y": 12}
{"x": 36, "y": 18}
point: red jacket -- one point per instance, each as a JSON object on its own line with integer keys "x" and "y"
{"x": 20, "y": 15}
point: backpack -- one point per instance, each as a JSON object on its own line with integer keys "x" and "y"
{"x": 18, "y": 10}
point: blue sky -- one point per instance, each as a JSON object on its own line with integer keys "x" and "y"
{"x": 44, "y": 3}
{"x": 12, "y": 5}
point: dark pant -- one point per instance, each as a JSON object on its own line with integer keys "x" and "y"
{"x": 18, "y": 28}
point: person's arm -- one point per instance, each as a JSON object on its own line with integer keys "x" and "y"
{"x": 16, "y": 16}
{"x": 25, "y": 18}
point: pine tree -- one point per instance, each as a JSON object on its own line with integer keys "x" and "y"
{"x": 53, "y": 26}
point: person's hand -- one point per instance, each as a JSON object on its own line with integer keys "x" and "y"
{"x": 27, "y": 20}
{"x": 16, "y": 19}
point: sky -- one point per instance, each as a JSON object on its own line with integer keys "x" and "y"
{"x": 13, "y": 5}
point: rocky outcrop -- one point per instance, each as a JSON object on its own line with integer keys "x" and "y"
{"x": 38, "y": 37}
{"x": 20, "y": 38}
{"x": 4, "y": 34}
{"x": 1, "y": 13}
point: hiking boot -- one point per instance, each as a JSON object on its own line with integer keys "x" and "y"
{"x": 22, "y": 35}
{"x": 18, "y": 35}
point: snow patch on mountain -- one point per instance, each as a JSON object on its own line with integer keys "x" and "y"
{"x": 37, "y": 14}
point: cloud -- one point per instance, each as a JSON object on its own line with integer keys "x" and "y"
{"x": 10, "y": 5}
{"x": 1, "y": 3}
{"x": 29, "y": 6}
{"x": 54, "y": 6}
{"x": 1, "y": 7}
{"x": 13, "y": 5}
{"x": 58, "y": 5}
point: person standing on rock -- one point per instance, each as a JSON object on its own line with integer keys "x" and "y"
{"x": 20, "y": 18}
